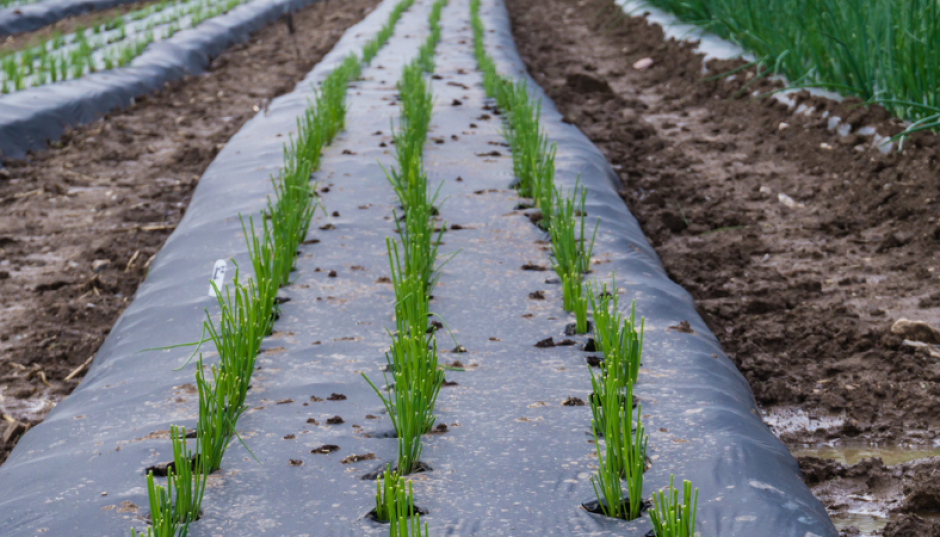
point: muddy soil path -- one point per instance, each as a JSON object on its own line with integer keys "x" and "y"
{"x": 801, "y": 248}
{"x": 80, "y": 222}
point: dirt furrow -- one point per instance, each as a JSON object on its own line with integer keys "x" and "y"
{"x": 801, "y": 248}
{"x": 81, "y": 221}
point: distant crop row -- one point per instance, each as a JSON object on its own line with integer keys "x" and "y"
{"x": 104, "y": 45}
{"x": 14, "y": 3}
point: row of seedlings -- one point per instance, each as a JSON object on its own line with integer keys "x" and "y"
{"x": 248, "y": 310}
{"x": 623, "y": 456}
{"x": 411, "y": 390}
{"x": 103, "y": 46}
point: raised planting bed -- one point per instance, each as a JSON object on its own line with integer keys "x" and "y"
{"x": 493, "y": 287}
{"x": 800, "y": 258}
{"x": 75, "y": 79}
{"x": 104, "y": 46}
{"x": 18, "y": 16}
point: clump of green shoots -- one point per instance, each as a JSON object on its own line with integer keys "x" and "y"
{"x": 412, "y": 359}
{"x": 533, "y": 158}
{"x": 671, "y": 518}
{"x": 404, "y": 521}
{"x": 218, "y": 414}
{"x": 244, "y": 322}
{"x": 187, "y": 478}
{"x": 625, "y": 441}
{"x": 163, "y": 521}
{"x": 615, "y": 335}
{"x": 390, "y": 491}
{"x": 571, "y": 249}
{"x": 574, "y": 299}
{"x": 624, "y": 455}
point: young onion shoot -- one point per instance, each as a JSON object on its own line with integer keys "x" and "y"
{"x": 669, "y": 516}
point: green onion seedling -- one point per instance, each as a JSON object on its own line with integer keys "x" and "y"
{"x": 187, "y": 478}
{"x": 624, "y": 458}
{"x": 669, "y": 517}
{"x": 163, "y": 522}
{"x": 405, "y": 522}
{"x": 389, "y": 492}
{"x": 571, "y": 249}
{"x": 614, "y": 335}
{"x": 574, "y": 300}
{"x": 217, "y": 414}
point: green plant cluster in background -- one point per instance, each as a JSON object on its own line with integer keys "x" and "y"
{"x": 883, "y": 51}
{"x": 60, "y": 57}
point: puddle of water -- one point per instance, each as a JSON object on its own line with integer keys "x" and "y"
{"x": 853, "y": 453}
{"x": 870, "y": 524}
{"x": 791, "y": 419}
{"x": 866, "y": 523}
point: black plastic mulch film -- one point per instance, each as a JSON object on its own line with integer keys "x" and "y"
{"x": 514, "y": 461}
{"x": 30, "y": 117}
{"x": 26, "y": 18}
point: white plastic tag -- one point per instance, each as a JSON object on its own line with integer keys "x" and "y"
{"x": 218, "y": 276}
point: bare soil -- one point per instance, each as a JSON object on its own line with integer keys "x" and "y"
{"x": 801, "y": 247}
{"x": 80, "y": 221}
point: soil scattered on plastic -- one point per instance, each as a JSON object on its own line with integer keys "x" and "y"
{"x": 82, "y": 220}
{"x": 801, "y": 247}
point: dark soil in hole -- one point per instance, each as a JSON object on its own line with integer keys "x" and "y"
{"x": 112, "y": 192}
{"x": 801, "y": 247}
{"x": 599, "y": 401}
{"x": 417, "y": 509}
{"x": 571, "y": 329}
{"x": 419, "y": 468}
{"x": 595, "y": 506}
{"x": 163, "y": 469}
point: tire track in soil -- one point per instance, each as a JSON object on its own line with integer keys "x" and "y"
{"x": 800, "y": 290}
{"x": 81, "y": 221}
